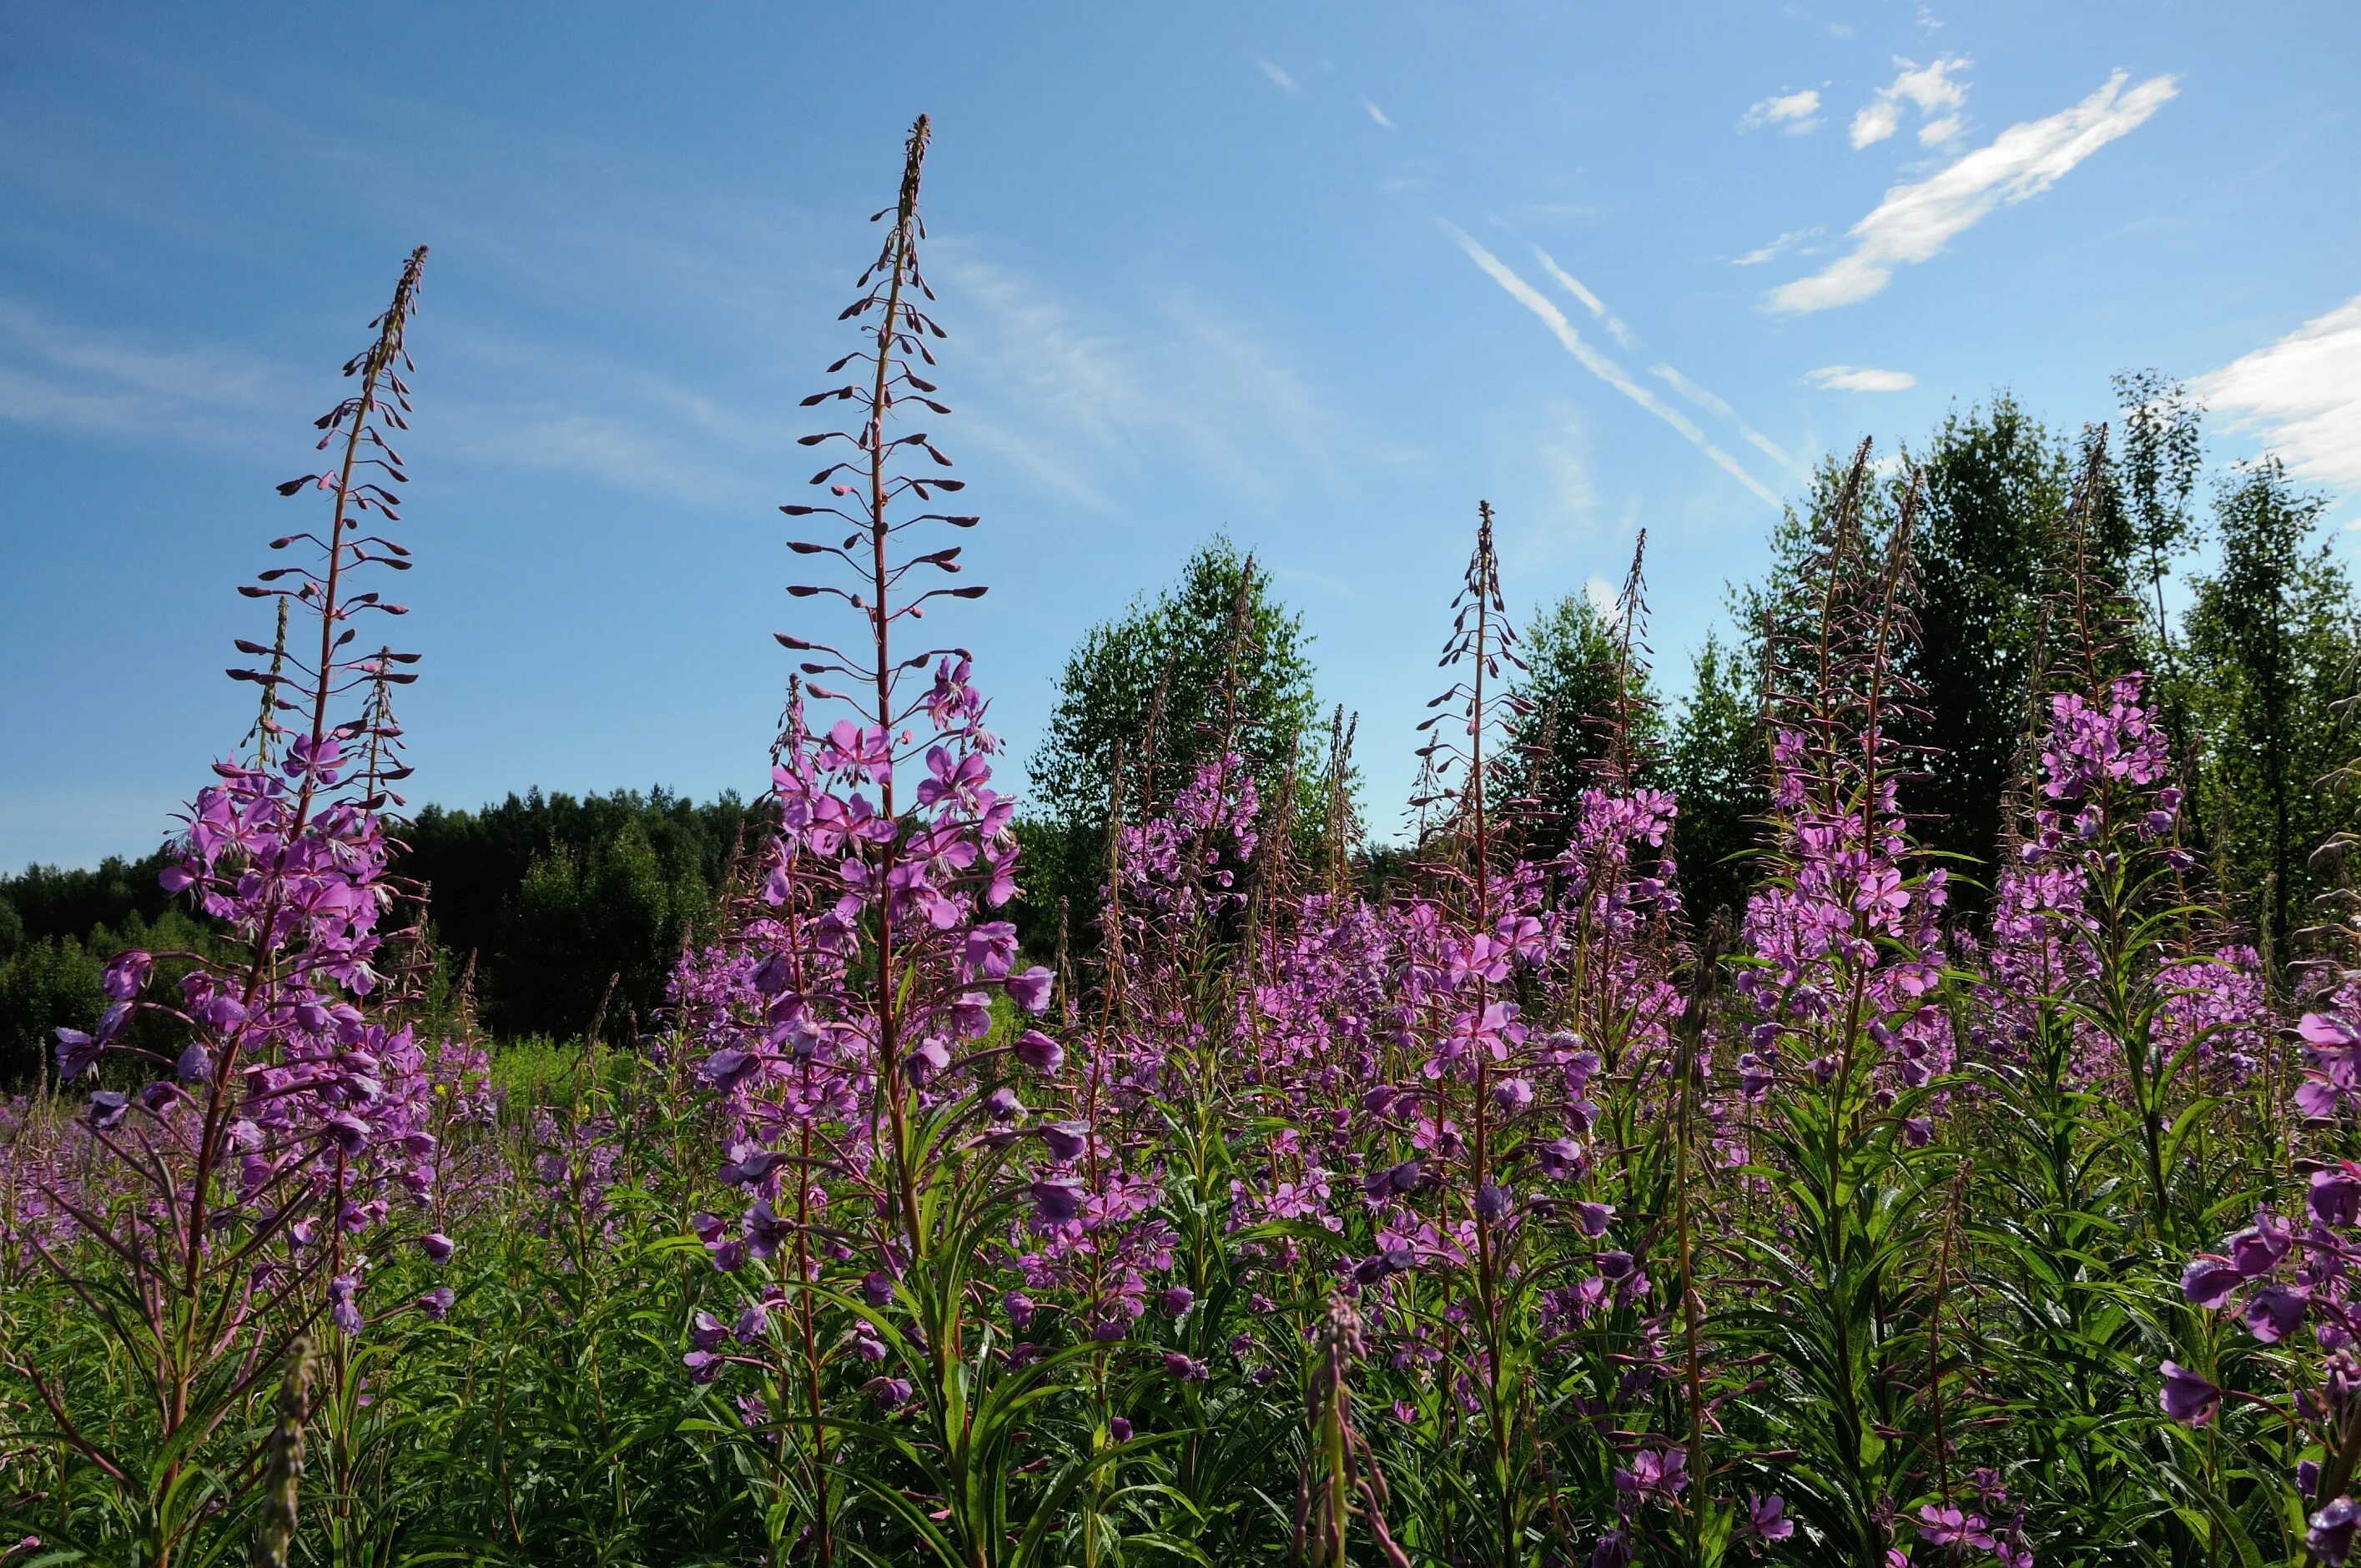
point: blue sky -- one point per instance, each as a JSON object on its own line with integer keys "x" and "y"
{"x": 1319, "y": 275}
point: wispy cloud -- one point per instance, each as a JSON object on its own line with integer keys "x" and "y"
{"x": 1566, "y": 280}
{"x": 1860, "y": 378}
{"x": 1081, "y": 402}
{"x": 1792, "y": 114}
{"x": 61, "y": 375}
{"x": 1777, "y": 247}
{"x": 1377, "y": 113}
{"x": 1917, "y": 219}
{"x": 1932, "y": 90}
{"x": 1279, "y": 79}
{"x": 2302, "y": 394}
{"x": 1713, "y": 403}
{"x": 1598, "y": 364}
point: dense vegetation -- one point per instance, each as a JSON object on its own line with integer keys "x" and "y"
{"x": 1898, "y": 1108}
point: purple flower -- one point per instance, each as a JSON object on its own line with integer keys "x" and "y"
{"x": 703, "y": 1365}
{"x": 436, "y": 1247}
{"x": 1001, "y": 1104}
{"x": 1039, "y": 1052}
{"x": 753, "y": 1323}
{"x": 1946, "y": 1525}
{"x": 1182, "y": 1369}
{"x": 929, "y": 1057}
{"x": 2331, "y": 1536}
{"x": 1030, "y": 990}
{"x": 436, "y": 1303}
{"x": 2186, "y": 1398}
{"x": 877, "y": 1289}
{"x": 707, "y": 1331}
{"x": 2259, "y": 1249}
{"x": 2275, "y": 1311}
{"x": 1594, "y": 1217}
{"x": 2209, "y": 1280}
{"x": 126, "y": 974}
{"x": 1766, "y": 1518}
{"x": 1492, "y": 1202}
{"x": 77, "y": 1053}
{"x": 106, "y": 1108}
{"x": 1177, "y": 1301}
{"x": 1055, "y": 1202}
{"x": 1612, "y": 1551}
{"x": 751, "y": 1165}
{"x": 891, "y": 1393}
{"x": 2336, "y": 1197}
{"x": 342, "y": 1311}
{"x": 1119, "y": 1429}
{"x": 765, "y": 1232}
{"x": 1066, "y": 1140}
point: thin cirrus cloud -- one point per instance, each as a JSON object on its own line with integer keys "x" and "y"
{"x": 1917, "y": 219}
{"x": 1278, "y": 78}
{"x": 2301, "y": 394}
{"x": 1932, "y": 90}
{"x": 1599, "y": 313}
{"x": 1714, "y": 404}
{"x": 61, "y": 375}
{"x": 1598, "y": 364}
{"x": 1777, "y": 247}
{"x": 1377, "y": 113}
{"x": 1860, "y": 378}
{"x": 1791, "y": 114}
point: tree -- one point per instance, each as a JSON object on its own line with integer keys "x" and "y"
{"x": 2271, "y": 644}
{"x": 1715, "y": 762}
{"x": 1996, "y": 485}
{"x": 1216, "y": 655}
{"x": 1572, "y": 687}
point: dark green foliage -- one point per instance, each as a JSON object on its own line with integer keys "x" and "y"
{"x": 45, "y": 901}
{"x": 1573, "y": 655}
{"x": 2271, "y": 648}
{"x": 57, "y": 929}
{"x": 1161, "y": 684}
{"x": 50, "y": 983}
{"x": 554, "y": 895}
{"x": 1715, "y": 760}
{"x": 1996, "y": 485}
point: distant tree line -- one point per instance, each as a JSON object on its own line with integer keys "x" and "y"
{"x": 547, "y": 898}
{"x": 2232, "y": 597}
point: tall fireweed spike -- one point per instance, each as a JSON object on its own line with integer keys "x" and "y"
{"x": 282, "y": 1471}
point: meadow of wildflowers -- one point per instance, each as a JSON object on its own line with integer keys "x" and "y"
{"x": 1500, "y": 1211}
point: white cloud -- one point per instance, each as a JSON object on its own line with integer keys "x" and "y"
{"x": 1377, "y": 113}
{"x": 1931, "y": 89}
{"x": 64, "y": 377}
{"x": 1873, "y": 122}
{"x": 1082, "y": 400}
{"x": 1713, "y": 403}
{"x": 2302, "y": 394}
{"x": 1566, "y": 280}
{"x": 1602, "y": 597}
{"x": 1860, "y": 378}
{"x": 1793, "y": 114}
{"x": 1597, "y": 364}
{"x": 1917, "y": 219}
{"x": 1279, "y": 79}
{"x": 1776, "y": 248}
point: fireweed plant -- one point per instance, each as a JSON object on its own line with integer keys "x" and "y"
{"x": 252, "y": 1180}
{"x": 1488, "y": 1209}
